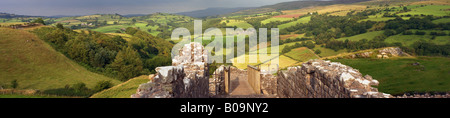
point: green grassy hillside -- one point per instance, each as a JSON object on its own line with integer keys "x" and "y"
{"x": 36, "y": 65}
{"x": 124, "y": 90}
{"x": 301, "y": 20}
{"x": 398, "y": 75}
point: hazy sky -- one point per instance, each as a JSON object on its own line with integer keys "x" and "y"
{"x": 85, "y": 7}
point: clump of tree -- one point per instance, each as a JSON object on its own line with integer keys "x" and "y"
{"x": 39, "y": 20}
{"x": 377, "y": 42}
{"x": 326, "y": 27}
{"x": 308, "y": 44}
{"x": 424, "y": 48}
{"x": 127, "y": 63}
{"x": 293, "y": 40}
{"x": 110, "y": 55}
{"x": 398, "y": 25}
{"x": 79, "y": 89}
{"x": 102, "y": 85}
{"x": 14, "y": 84}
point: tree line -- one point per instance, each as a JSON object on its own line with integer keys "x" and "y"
{"x": 112, "y": 56}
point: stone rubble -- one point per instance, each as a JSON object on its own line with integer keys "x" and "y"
{"x": 325, "y": 79}
{"x": 426, "y": 95}
{"x": 393, "y": 51}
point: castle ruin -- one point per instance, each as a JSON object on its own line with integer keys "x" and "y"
{"x": 188, "y": 77}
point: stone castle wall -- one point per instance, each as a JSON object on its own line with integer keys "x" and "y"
{"x": 325, "y": 79}
{"x": 187, "y": 77}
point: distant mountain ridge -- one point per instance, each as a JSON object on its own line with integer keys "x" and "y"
{"x": 8, "y": 15}
{"x": 212, "y": 11}
{"x": 292, "y": 5}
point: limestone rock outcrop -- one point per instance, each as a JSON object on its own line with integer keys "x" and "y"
{"x": 426, "y": 95}
{"x": 393, "y": 51}
{"x": 186, "y": 78}
{"x": 325, "y": 79}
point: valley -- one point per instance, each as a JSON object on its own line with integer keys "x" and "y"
{"x": 110, "y": 55}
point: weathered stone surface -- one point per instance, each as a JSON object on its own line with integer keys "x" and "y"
{"x": 186, "y": 78}
{"x": 217, "y": 82}
{"x": 269, "y": 84}
{"x": 325, "y": 79}
{"x": 363, "y": 55}
{"x": 425, "y": 95}
{"x": 393, "y": 51}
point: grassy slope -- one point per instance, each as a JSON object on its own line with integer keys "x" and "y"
{"x": 397, "y": 75}
{"x": 284, "y": 61}
{"x": 325, "y": 52}
{"x": 301, "y": 20}
{"x": 407, "y": 40}
{"x": 301, "y": 54}
{"x": 442, "y": 20}
{"x": 124, "y": 90}
{"x": 367, "y": 35}
{"x": 38, "y": 66}
{"x": 435, "y": 10}
{"x": 273, "y": 19}
{"x": 237, "y": 23}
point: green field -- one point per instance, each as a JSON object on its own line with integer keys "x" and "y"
{"x": 36, "y": 65}
{"x": 407, "y": 40}
{"x": 273, "y": 19}
{"x": 435, "y": 10}
{"x": 237, "y": 23}
{"x": 301, "y": 54}
{"x": 285, "y": 62}
{"x": 124, "y": 90}
{"x": 367, "y": 35}
{"x": 398, "y": 75}
{"x": 325, "y": 52}
{"x": 442, "y": 20}
{"x": 110, "y": 29}
{"x": 379, "y": 17}
{"x": 114, "y": 28}
{"x": 301, "y": 20}
{"x": 157, "y": 19}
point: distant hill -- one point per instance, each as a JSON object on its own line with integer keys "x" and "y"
{"x": 303, "y": 4}
{"x": 292, "y": 5}
{"x": 212, "y": 11}
{"x": 8, "y": 15}
{"x": 134, "y": 15}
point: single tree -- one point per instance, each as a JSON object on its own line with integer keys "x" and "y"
{"x": 14, "y": 84}
{"x": 39, "y": 20}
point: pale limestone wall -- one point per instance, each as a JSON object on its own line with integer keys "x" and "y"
{"x": 187, "y": 77}
{"x": 325, "y": 79}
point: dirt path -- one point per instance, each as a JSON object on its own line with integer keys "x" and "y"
{"x": 239, "y": 83}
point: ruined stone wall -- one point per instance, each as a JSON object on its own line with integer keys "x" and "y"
{"x": 269, "y": 84}
{"x": 187, "y": 77}
{"x": 217, "y": 82}
{"x": 325, "y": 79}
